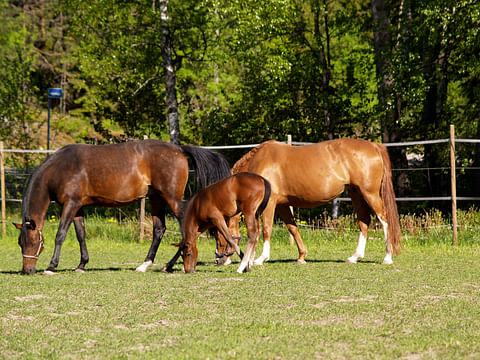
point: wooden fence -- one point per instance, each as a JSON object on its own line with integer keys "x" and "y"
{"x": 453, "y": 197}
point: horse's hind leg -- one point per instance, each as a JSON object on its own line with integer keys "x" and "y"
{"x": 377, "y": 205}
{"x": 288, "y": 219}
{"x": 253, "y": 228}
{"x": 158, "y": 217}
{"x": 363, "y": 215}
{"x": 267, "y": 216}
{"x": 79, "y": 224}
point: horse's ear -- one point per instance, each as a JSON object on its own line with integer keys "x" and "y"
{"x": 18, "y": 226}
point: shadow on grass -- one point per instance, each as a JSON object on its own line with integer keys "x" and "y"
{"x": 62, "y": 271}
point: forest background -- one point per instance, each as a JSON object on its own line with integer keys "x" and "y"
{"x": 211, "y": 72}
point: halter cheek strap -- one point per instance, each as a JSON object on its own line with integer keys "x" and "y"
{"x": 40, "y": 247}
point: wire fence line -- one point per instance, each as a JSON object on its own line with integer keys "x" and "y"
{"x": 452, "y": 140}
{"x": 298, "y": 143}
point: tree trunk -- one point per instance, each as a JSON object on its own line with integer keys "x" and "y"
{"x": 390, "y": 114}
{"x": 170, "y": 76}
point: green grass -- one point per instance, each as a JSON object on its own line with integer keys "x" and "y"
{"x": 424, "y": 306}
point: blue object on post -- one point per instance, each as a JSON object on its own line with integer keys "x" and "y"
{"x": 52, "y": 93}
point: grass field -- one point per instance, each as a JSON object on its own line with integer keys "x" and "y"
{"x": 425, "y": 306}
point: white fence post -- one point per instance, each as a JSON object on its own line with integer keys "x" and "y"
{"x": 142, "y": 211}
{"x": 292, "y": 240}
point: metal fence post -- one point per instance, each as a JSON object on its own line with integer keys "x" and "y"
{"x": 142, "y": 212}
{"x": 453, "y": 184}
{"x": 4, "y": 200}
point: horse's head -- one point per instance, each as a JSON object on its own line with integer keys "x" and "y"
{"x": 223, "y": 251}
{"x": 32, "y": 244}
{"x": 189, "y": 254}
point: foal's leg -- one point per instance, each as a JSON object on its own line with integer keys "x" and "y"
{"x": 363, "y": 215}
{"x": 79, "y": 224}
{"x": 288, "y": 219}
{"x": 158, "y": 217}
{"x": 252, "y": 224}
{"x": 267, "y": 216}
{"x": 68, "y": 213}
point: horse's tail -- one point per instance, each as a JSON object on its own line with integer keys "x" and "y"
{"x": 210, "y": 166}
{"x": 266, "y": 197}
{"x": 388, "y": 196}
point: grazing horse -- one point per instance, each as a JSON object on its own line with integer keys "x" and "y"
{"x": 109, "y": 175}
{"x": 312, "y": 175}
{"x": 213, "y": 206}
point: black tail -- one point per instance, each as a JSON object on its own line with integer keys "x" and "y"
{"x": 210, "y": 166}
{"x": 266, "y": 197}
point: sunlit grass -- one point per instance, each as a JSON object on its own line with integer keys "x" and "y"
{"x": 424, "y": 306}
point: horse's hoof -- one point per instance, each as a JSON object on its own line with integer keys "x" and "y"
{"x": 260, "y": 260}
{"x": 351, "y": 260}
{"x": 301, "y": 262}
{"x": 79, "y": 271}
{"x": 48, "y": 272}
{"x": 144, "y": 267}
{"x": 387, "y": 262}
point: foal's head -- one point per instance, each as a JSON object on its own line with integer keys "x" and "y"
{"x": 189, "y": 253}
{"x": 31, "y": 242}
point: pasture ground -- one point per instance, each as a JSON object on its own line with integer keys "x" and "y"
{"x": 425, "y": 306}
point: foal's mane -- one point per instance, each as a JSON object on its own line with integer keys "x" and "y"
{"x": 241, "y": 164}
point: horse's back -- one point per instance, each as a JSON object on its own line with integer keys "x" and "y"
{"x": 111, "y": 174}
{"x": 314, "y": 174}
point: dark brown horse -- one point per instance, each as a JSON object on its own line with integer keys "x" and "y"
{"x": 213, "y": 206}
{"x": 312, "y": 175}
{"x": 109, "y": 175}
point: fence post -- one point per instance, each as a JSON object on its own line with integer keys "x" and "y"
{"x": 4, "y": 200}
{"x": 453, "y": 184}
{"x": 289, "y": 142}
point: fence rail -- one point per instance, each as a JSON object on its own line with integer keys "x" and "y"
{"x": 453, "y": 198}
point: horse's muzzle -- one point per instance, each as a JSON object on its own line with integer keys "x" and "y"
{"x": 29, "y": 271}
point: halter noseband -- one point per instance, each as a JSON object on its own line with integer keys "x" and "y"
{"x": 40, "y": 246}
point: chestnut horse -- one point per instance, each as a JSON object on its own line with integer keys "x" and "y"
{"x": 312, "y": 175}
{"x": 213, "y": 206}
{"x": 109, "y": 175}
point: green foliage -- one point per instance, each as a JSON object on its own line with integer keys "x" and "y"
{"x": 16, "y": 59}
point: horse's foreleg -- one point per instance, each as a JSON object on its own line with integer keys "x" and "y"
{"x": 288, "y": 219}
{"x": 267, "y": 216}
{"x": 79, "y": 224}
{"x": 158, "y": 217}
{"x": 68, "y": 214}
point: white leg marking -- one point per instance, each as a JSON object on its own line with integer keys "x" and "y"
{"x": 388, "y": 257}
{"x": 48, "y": 272}
{"x": 360, "y": 252}
{"x": 145, "y": 266}
{"x": 265, "y": 254}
